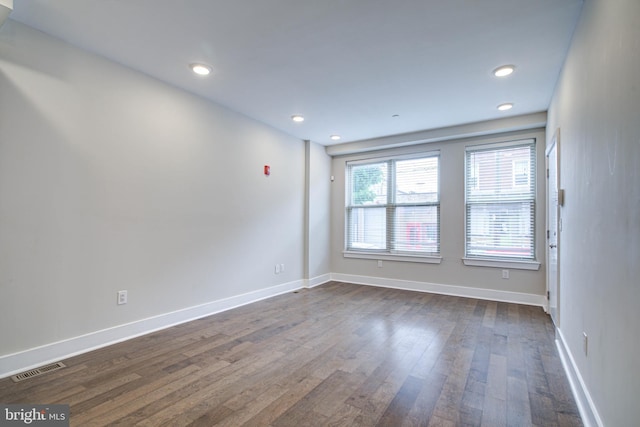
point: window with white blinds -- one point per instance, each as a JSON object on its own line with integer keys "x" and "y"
{"x": 500, "y": 191}
{"x": 393, "y": 205}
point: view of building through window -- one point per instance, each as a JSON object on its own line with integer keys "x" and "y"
{"x": 500, "y": 198}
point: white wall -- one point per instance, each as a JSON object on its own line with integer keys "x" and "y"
{"x": 112, "y": 180}
{"x": 485, "y": 282}
{"x": 318, "y": 170}
{"x": 6, "y": 6}
{"x": 597, "y": 108}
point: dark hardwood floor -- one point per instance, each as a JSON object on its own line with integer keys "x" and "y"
{"x": 338, "y": 354}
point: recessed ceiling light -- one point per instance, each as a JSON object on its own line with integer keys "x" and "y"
{"x": 200, "y": 69}
{"x": 504, "y": 71}
{"x": 335, "y": 137}
{"x": 297, "y": 118}
{"x": 505, "y": 107}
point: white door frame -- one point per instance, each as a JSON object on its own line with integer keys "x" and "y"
{"x": 555, "y": 199}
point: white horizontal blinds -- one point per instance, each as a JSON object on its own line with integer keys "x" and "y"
{"x": 500, "y": 200}
{"x": 416, "y": 206}
{"x": 393, "y": 205}
{"x": 367, "y": 206}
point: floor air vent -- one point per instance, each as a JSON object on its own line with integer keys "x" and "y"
{"x": 38, "y": 371}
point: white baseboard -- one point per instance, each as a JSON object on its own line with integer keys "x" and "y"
{"x": 11, "y": 364}
{"x": 317, "y": 281}
{"x": 458, "y": 291}
{"x": 588, "y": 411}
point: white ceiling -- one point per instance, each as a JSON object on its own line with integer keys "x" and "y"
{"x": 347, "y": 65}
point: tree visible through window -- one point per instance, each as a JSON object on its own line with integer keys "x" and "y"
{"x": 364, "y": 180}
{"x": 393, "y": 205}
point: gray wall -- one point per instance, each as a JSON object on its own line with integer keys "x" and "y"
{"x": 451, "y": 271}
{"x": 318, "y": 169}
{"x": 597, "y": 108}
{"x": 111, "y": 180}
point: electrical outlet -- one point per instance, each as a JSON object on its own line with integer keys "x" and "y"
{"x": 505, "y": 274}
{"x": 122, "y": 297}
{"x": 379, "y": 263}
{"x": 281, "y": 268}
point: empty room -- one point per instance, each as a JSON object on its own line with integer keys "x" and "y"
{"x": 332, "y": 213}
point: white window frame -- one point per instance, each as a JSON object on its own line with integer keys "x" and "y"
{"x": 498, "y": 261}
{"x": 390, "y": 253}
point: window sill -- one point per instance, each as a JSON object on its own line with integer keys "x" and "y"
{"x": 428, "y": 259}
{"x": 502, "y": 263}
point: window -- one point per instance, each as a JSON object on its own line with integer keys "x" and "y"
{"x": 521, "y": 173}
{"x": 393, "y": 206}
{"x": 500, "y": 201}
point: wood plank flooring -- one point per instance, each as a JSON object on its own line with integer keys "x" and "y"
{"x": 335, "y": 355}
